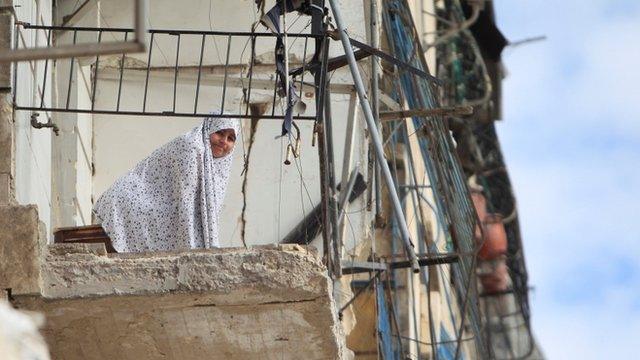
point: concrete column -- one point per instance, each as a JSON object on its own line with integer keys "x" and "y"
{"x": 6, "y": 150}
{"x": 21, "y": 246}
{"x": 6, "y": 27}
{"x": 6, "y": 110}
{"x": 20, "y": 232}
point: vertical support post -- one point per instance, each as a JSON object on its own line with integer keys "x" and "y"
{"x": 375, "y": 137}
{"x": 141, "y": 23}
{"x": 146, "y": 81}
{"x": 412, "y": 315}
{"x": 121, "y": 73}
{"x": 414, "y": 189}
{"x": 75, "y": 37}
{"x": 46, "y": 66}
{"x": 226, "y": 67}
{"x": 331, "y": 180}
{"x": 321, "y": 48}
{"x": 8, "y": 94}
{"x": 304, "y": 65}
{"x": 349, "y": 139}
{"x": 95, "y": 75}
{"x": 326, "y": 244}
{"x": 375, "y": 73}
{"x": 285, "y": 41}
{"x": 175, "y": 74}
{"x": 251, "y": 64}
{"x": 195, "y": 103}
{"x": 349, "y": 142}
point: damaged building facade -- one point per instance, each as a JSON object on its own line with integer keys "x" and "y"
{"x": 382, "y": 225}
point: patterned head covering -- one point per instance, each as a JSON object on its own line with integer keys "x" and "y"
{"x": 172, "y": 199}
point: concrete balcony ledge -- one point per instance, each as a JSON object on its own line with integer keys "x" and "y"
{"x": 260, "y": 273}
{"x": 267, "y": 302}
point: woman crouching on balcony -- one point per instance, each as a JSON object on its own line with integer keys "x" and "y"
{"x": 172, "y": 199}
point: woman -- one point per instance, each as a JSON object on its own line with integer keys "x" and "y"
{"x": 172, "y": 199}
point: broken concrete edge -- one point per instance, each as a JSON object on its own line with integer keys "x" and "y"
{"x": 224, "y": 277}
{"x": 344, "y": 353}
{"x": 271, "y": 273}
{"x": 100, "y": 249}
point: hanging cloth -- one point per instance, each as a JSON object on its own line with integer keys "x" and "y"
{"x": 271, "y": 20}
{"x": 172, "y": 199}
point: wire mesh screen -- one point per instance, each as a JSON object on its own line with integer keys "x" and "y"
{"x": 453, "y": 206}
{"x": 183, "y": 73}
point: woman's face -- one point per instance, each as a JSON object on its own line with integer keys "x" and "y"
{"x": 222, "y": 142}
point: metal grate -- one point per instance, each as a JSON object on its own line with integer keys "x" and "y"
{"x": 188, "y": 61}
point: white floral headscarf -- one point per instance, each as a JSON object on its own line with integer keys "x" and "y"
{"x": 172, "y": 199}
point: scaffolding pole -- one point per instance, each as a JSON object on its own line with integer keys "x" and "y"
{"x": 375, "y": 136}
{"x": 375, "y": 43}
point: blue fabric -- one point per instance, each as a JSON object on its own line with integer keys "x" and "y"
{"x": 446, "y": 348}
{"x": 384, "y": 326}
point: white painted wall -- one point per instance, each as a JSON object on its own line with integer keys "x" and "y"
{"x": 32, "y": 146}
{"x": 277, "y": 196}
{"x": 72, "y": 149}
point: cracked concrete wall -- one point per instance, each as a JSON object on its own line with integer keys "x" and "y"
{"x": 266, "y": 302}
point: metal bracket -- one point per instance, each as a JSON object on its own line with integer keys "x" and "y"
{"x": 48, "y": 124}
{"x": 444, "y": 111}
{"x": 335, "y": 35}
{"x": 355, "y": 267}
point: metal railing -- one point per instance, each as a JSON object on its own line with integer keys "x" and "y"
{"x": 186, "y": 66}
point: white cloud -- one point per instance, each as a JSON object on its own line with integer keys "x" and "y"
{"x": 582, "y": 76}
{"x": 571, "y": 138}
{"x": 604, "y": 334}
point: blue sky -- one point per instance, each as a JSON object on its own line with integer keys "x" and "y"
{"x": 571, "y": 138}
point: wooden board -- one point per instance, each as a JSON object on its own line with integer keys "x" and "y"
{"x": 83, "y": 234}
